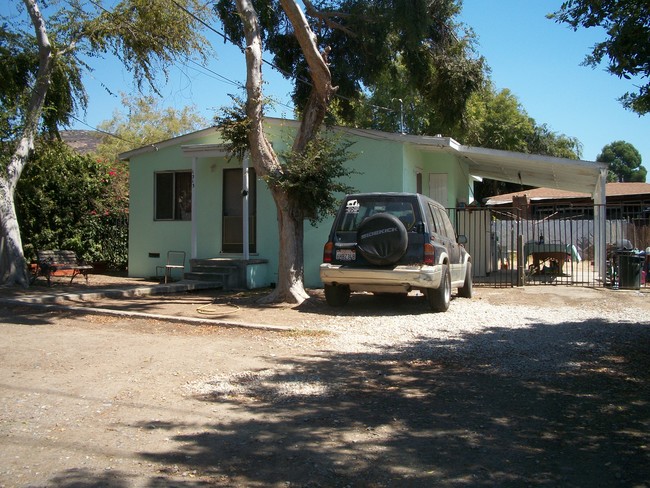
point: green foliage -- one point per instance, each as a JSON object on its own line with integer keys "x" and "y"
{"x": 18, "y": 69}
{"x": 234, "y": 126}
{"x": 312, "y": 178}
{"x": 626, "y": 47}
{"x": 413, "y": 46}
{"x": 146, "y": 36}
{"x": 145, "y": 122}
{"x": 548, "y": 143}
{"x": 68, "y": 201}
{"x": 496, "y": 120}
{"x": 624, "y": 162}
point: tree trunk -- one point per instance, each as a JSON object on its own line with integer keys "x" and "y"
{"x": 12, "y": 260}
{"x": 290, "y": 285}
{"x": 13, "y": 269}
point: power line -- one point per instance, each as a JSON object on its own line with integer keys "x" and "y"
{"x": 110, "y": 134}
{"x": 238, "y": 84}
{"x": 272, "y": 65}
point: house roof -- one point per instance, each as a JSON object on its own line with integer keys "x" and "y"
{"x": 527, "y": 169}
{"x": 538, "y": 194}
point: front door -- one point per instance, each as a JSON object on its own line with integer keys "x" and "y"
{"x": 233, "y": 211}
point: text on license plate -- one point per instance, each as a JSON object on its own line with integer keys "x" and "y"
{"x": 346, "y": 254}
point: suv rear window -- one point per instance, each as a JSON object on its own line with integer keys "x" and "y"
{"x": 356, "y": 211}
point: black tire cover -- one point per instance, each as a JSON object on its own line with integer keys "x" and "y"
{"x": 382, "y": 239}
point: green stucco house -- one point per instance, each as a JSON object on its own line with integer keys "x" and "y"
{"x": 186, "y": 196}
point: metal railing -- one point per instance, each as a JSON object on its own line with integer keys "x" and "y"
{"x": 556, "y": 246}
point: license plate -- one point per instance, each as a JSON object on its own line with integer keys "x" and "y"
{"x": 346, "y": 254}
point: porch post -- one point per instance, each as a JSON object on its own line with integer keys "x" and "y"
{"x": 193, "y": 244}
{"x": 600, "y": 222}
{"x": 244, "y": 193}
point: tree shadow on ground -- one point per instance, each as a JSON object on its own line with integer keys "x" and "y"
{"x": 32, "y": 315}
{"x": 549, "y": 405}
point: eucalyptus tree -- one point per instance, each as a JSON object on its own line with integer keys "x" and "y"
{"x": 43, "y": 52}
{"x": 336, "y": 52}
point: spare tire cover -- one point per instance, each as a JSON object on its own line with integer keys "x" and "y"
{"x": 382, "y": 239}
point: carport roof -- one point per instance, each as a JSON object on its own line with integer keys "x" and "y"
{"x": 514, "y": 167}
{"x": 534, "y": 170}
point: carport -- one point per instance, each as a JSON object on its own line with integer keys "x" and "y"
{"x": 549, "y": 172}
{"x": 539, "y": 171}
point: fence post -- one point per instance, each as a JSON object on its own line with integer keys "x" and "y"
{"x": 520, "y": 260}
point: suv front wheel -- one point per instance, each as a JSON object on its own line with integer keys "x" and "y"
{"x": 439, "y": 298}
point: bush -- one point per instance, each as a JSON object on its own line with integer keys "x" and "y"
{"x": 68, "y": 201}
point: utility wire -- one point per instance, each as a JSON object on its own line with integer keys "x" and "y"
{"x": 230, "y": 81}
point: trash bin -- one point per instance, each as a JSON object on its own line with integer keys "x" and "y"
{"x": 629, "y": 270}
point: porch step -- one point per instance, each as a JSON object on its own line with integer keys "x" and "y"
{"x": 216, "y": 270}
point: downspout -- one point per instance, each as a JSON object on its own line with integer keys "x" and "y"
{"x": 244, "y": 193}
{"x": 193, "y": 244}
{"x": 600, "y": 222}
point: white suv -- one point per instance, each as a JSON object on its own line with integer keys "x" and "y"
{"x": 394, "y": 243}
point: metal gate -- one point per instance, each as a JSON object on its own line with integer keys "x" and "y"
{"x": 555, "y": 246}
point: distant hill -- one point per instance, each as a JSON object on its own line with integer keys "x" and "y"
{"x": 82, "y": 141}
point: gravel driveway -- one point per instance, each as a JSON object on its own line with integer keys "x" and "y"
{"x": 544, "y": 386}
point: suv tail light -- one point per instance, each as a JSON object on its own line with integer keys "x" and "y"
{"x": 327, "y": 252}
{"x": 429, "y": 254}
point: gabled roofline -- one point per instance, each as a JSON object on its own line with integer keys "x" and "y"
{"x": 125, "y": 156}
{"x": 437, "y": 142}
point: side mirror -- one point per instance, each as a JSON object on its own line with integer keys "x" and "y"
{"x": 462, "y": 240}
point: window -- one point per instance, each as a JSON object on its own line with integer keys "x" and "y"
{"x": 173, "y": 195}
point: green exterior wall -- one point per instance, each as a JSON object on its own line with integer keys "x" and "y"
{"x": 380, "y": 164}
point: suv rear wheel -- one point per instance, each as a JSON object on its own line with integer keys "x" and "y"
{"x": 337, "y": 295}
{"x": 439, "y": 298}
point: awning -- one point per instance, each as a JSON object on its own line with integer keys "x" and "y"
{"x": 534, "y": 170}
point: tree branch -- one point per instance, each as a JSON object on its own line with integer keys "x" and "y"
{"x": 327, "y": 18}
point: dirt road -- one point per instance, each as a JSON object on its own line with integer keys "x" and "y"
{"x": 548, "y": 389}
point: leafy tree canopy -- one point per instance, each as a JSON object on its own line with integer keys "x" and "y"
{"x": 627, "y": 46}
{"x": 497, "y": 120}
{"x": 415, "y": 46}
{"x": 624, "y": 162}
{"x": 144, "y": 122}
{"x": 145, "y": 39}
{"x": 18, "y": 67}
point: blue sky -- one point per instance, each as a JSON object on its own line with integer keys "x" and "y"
{"x": 537, "y": 59}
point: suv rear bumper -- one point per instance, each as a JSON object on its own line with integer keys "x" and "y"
{"x": 397, "y": 278}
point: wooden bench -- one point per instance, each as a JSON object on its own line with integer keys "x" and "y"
{"x": 51, "y": 261}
